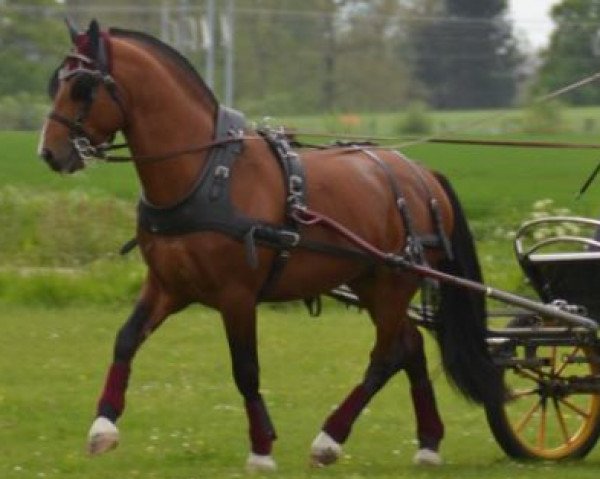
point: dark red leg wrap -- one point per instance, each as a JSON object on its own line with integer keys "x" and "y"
{"x": 430, "y": 429}
{"x": 112, "y": 401}
{"x": 339, "y": 424}
{"x": 262, "y": 432}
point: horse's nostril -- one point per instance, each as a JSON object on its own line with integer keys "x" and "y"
{"x": 46, "y": 155}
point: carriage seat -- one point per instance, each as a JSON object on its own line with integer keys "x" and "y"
{"x": 561, "y": 260}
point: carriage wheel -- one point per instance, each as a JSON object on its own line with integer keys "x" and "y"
{"x": 544, "y": 418}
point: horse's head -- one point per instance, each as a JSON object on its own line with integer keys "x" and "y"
{"x": 87, "y": 106}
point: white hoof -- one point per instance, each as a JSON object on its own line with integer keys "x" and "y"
{"x": 103, "y": 436}
{"x": 427, "y": 457}
{"x": 324, "y": 450}
{"x": 259, "y": 463}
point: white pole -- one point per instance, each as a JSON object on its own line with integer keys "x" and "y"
{"x": 227, "y": 30}
{"x": 209, "y": 75}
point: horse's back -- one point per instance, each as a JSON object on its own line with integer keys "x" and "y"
{"x": 353, "y": 188}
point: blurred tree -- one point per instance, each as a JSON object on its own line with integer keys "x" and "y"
{"x": 132, "y": 14}
{"x": 29, "y": 49}
{"x": 321, "y": 55}
{"x": 574, "y": 51}
{"x": 465, "y": 53}
{"x": 373, "y": 66}
{"x": 295, "y": 57}
{"x": 285, "y": 55}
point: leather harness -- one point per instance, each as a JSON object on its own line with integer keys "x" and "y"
{"x": 208, "y": 206}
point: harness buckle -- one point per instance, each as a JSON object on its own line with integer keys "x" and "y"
{"x": 236, "y": 133}
{"x": 295, "y": 184}
{"x": 291, "y": 238}
{"x": 221, "y": 171}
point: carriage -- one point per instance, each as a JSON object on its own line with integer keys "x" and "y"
{"x": 229, "y": 216}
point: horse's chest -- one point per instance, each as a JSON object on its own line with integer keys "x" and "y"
{"x": 190, "y": 267}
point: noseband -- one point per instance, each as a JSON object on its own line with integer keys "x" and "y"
{"x": 80, "y": 138}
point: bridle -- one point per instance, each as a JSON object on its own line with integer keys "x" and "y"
{"x": 74, "y": 65}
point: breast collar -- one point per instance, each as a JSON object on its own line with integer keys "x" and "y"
{"x": 208, "y": 206}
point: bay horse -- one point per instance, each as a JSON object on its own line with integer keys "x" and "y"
{"x": 229, "y": 218}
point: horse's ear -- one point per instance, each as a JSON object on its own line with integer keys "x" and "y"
{"x": 73, "y": 30}
{"x": 94, "y": 38}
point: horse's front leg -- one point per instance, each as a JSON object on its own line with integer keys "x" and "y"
{"x": 240, "y": 325}
{"x": 149, "y": 313}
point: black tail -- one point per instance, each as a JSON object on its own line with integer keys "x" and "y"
{"x": 461, "y": 317}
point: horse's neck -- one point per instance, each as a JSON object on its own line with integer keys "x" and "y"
{"x": 166, "y": 181}
{"x": 166, "y": 116}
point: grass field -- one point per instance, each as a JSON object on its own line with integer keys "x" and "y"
{"x": 185, "y": 420}
{"x": 64, "y": 292}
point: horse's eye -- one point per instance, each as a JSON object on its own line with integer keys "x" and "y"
{"x": 83, "y": 88}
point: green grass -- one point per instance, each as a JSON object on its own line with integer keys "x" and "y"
{"x": 21, "y": 167}
{"x": 576, "y": 121}
{"x": 185, "y": 419}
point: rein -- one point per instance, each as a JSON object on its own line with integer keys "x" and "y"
{"x": 450, "y": 141}
{"x": 100, "y": 154}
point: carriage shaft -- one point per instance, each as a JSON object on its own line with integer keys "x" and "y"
{"x": 544, "y": 310}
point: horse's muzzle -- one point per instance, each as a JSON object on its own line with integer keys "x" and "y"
{"x": 72, "y": 164}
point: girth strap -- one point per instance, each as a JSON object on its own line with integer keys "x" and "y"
{"x": 295, "y": 192}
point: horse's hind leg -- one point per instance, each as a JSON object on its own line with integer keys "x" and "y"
{"x": 399, "y": 345}
{"x": 430, "y": 429}
{"x": 387, "y": 306}
{"x": 327, "y": 446}
{"x": 152, "y": 308}
{"x": 408, "y": 354}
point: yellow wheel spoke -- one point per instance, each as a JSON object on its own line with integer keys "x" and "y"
{"x": 527, "y": 417}
{"x": 564, "y": 365}
{"x": 561, "y": 421}
{"x": 575, "y": 408}
{"x": 541, "y": 436}
{"x": 520, "y": 393}
{"x": 526, "y": 373}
